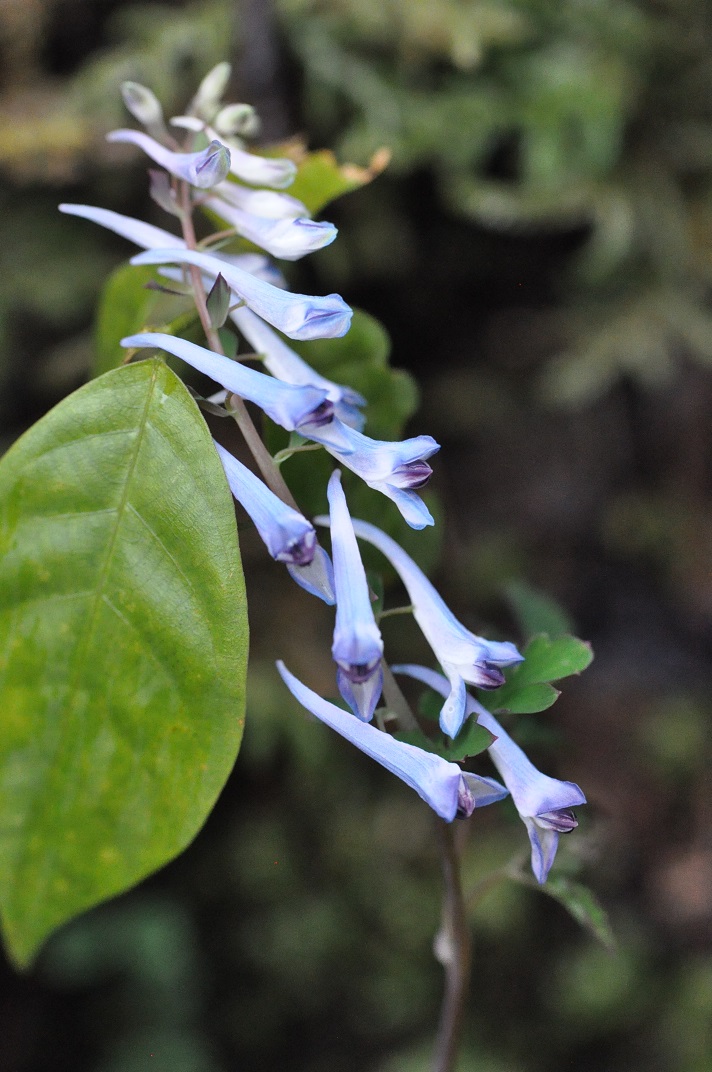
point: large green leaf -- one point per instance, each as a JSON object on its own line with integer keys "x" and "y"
{"x": 123, "y": 635}
{"x": 527, "y": 687}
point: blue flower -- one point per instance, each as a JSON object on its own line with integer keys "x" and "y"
{"x": 288, "y": 239}
{"x": 545, "y": 804}
{"x": 462, "y": 655}
{"x": 357, "y": 647}
{"x": 449, "y": 791}
{"x": 288, "y": 536}
{"x": 295, "y": 408}
{"x": 204, "y": 169}
{"x": 298, "y": 315}
{"x": 394, "y": 469}
{"x": 286, "y": 365}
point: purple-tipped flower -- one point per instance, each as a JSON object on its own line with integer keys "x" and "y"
{"x": 261, "y": 170}
{"x": 286, "y": 365}
{"x": 204, "y": 169}
{"x": 462, "y": 655}
{"x": 395, "y": 469}
{"x": 545, "y": 804}
{"x": 357, "y": 647}
{"x": 295, "y": 408}
{"x": 288, "y": 239}
{"x": 449, "y": 792}
{"x": 287, "y": 535}
{"x": 298, "y": 315}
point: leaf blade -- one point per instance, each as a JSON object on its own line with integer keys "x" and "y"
{"x": 123, "y": 628}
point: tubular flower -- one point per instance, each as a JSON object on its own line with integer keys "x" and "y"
{"x": 204, "y": 169}
{"x": 288, "y": 239}
{"x": 298, "y": 315}
{"x": 449, "y": 792}
{"x": 357, "y": 647}
{"x": 286, "y": 365}
{"x": 544, "y": 804}
{"x": 295, "y": 408}
{"x": 462, "y": 655}
{"x": 395, "y": 469}
{"x": 288, "y": 536}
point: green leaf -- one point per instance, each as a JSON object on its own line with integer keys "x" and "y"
{"x": 537, "y": 612}
{"x": 124, "y": 637}
{"x": 518, "y": 699}
{"x": 470, "y": 741}
{"x": 584, "y": 906}
{"x": 127, "y": 307}
{"x": 550, "y": 660}
{"x": 321, "y": 179}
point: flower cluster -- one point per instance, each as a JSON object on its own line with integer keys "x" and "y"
{"x": 205, "y": 163}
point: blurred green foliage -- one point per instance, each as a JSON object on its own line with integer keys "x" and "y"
{"x": 534, "y": 117}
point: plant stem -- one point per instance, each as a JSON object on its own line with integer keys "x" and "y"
{"x": 453, "y": 949}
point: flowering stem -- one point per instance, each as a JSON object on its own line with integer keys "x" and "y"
{"x": 453, "y": 949}
{"x": 273, "y": 478}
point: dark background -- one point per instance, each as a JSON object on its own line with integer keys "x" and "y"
{"x": 540, "y": 252}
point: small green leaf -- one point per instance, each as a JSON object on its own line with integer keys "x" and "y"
{"x": 470, "y": 741}
{"x": 551, "y": 660}
{"x": 124, "y": 638}
{"x": 518, "y": 699}
{"x": 584, "y": 906}
{"x": 537, "y": 612}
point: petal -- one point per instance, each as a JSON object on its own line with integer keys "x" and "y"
{"x": 484, "y": 790}
{"x": 298, "y": 315}
{"x": 544, "y": 844}
{"x": 204, "y": 169}
{"x": 357, "y": 639}
{"x": 317, "y": 577}
{"x": 261, "y": 170}
{"x": 459, "y": 651}
{"x": 361, "y": 696}
{"x": 379, "y": 463}
{"x": 287, "y": 405}
{"x": 144, "y": 106}
{"x": 143, "y": 234}
{"x": 264, "y": 203}
{"x": 210, "y": 91}
{"x": 289, "y": 239}
{"x": 285, "y": 364}
{"x": 288, "y": 536}
{"x": 435, "y": 780}
{"x": 533, "y": 793}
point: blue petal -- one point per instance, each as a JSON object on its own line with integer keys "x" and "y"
{"x": 288, "y": 536}
{"x": 384, "y": 465}
{"x": 288, "y": 239}
{"x": 357, "y": 646}
{"x": 204, "y": 169}
{"x": 298, "y": 315}
{"x": 286, "y": 404}
{"x": 317, "y": 577}
{"x": 462, "y": 655}
{"x": 264, "y": 203}
{"x": 435, "y": 780}
{"x": 143, "y": 234}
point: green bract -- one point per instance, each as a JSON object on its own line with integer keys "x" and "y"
{"x": 124, "y": 638}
